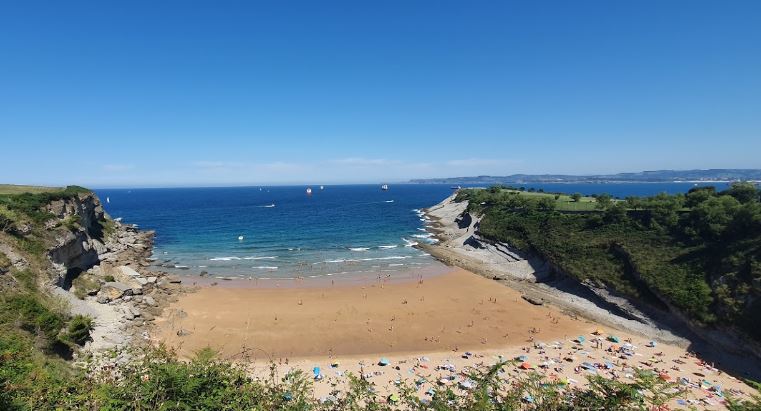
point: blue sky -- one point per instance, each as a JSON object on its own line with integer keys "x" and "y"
{"x": 165, "y": 93}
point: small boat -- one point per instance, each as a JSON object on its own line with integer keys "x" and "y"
{"x": 240, "y": 238}
{"x": 455, "y": 187}
{"x": 322, "y": 187}
{"x": 309, "y": 190}
{"x": 269, "y": 205}
{"x": 108, "y": 200}
{"x": 384, "y": 187}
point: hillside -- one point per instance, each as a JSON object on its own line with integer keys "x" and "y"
{"x": 697, "y": 255}
{"x": 657, "y": 176}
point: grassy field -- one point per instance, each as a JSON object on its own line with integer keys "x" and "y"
{"x": 563, "y": 202}
{"x": 18, "y": 189}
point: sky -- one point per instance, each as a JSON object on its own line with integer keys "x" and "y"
{"x": 184, "y": 93}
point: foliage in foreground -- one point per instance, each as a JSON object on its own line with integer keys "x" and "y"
{"x": 159, "y": 381}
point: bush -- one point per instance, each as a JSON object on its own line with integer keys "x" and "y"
{"x": 78, "y": 330}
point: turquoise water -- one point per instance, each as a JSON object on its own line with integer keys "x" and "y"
{"x": 340, "y": 229}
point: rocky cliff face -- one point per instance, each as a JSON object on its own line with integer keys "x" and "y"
{"x": 76, "y": 249}
{"x": 81, "y": 242}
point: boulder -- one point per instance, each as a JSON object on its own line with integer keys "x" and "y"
{"x": 113, "y": 291}
{"x": 533, "y": 300}
{"x": 149, "y": 300}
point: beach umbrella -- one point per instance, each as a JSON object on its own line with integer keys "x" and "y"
{"x": 384, "y": 362}
{"x": 394, "y": 398}
{"x": 287, "y": 396}
{"x": 651, "y": 344}
{"x": 335, "y": 364}
{"x": 613, "y": 338}
{"x": 598, "y": 331}
{"x": 526, "y": 366}
{"x": 522, "y": 358}
{"x": 608, "y": 365}
{"x": 588, "y": 365}
{"x": 467, "y": 384}
{"x": 580, "y": 339}
{"x": 664, "y": 376}
{"x": 316, "y": 372}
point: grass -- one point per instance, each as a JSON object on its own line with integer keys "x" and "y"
{"x": 21, "y": 189}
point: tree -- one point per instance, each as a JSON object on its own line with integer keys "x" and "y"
{"x": 699, "y": 194}
{"x": 576, "y": 197}
{"x": 604, "y": 201}
{"x": 546, "y": 204}
{"x": 743, "y": 192}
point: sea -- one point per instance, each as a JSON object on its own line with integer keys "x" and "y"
{"x": 283, "y": 232}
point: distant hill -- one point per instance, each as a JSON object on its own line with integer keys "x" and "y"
{"x": 658, "y": 176}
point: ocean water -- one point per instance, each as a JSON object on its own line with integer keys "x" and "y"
{"x": 338, "y": 230}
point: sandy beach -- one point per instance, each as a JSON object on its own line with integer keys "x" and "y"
{"x": 433, "y": 328}
{"x": 456, "y": 310}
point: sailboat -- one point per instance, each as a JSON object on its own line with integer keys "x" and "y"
{"x": 309, "y": 191}
{"x": 384, "y": 187}
{"x": 108, "y": 200}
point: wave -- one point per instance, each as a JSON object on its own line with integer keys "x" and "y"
{"x": 409, "y": 243}
{"x": 395, "y": 265}
{"x": 260, "y": 258}
{"x": 359, "y": 248}
{"x": 426, "y": 235}
{"x": 265, "y": 267}
{"x": 393, "y": 257}
{"x": 389, "y": 201}
{"x": 422, "y": 229}
{"x": 339, "y": 260}
{"x": 224, "y": 258}
{"x": 386, "y": 247}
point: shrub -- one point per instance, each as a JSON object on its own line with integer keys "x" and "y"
{"x": 78, "y": 330}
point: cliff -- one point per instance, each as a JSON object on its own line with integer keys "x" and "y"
{"x": 61, "y": 245}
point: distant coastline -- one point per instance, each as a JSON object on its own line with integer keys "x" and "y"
{"x": 658, "y": 176}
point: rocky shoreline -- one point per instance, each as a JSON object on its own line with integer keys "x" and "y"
{"x": 103, "y": 271}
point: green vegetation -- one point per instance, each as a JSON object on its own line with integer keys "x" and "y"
{"x": 83, "y": 284}
{"x": 699, "y": 252}
{"x": 159, "y": 381}
{"x": 30, "y": 204}
{"x": 19, "y": 189}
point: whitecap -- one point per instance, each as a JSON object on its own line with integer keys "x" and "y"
{"x": 386, "y": 247}
{"x": 359, "y": 249}
{"x": 409, "y": 243}
{"x": 395, "y": 265}
{"x": 224, "y": 258}
{"x": 393, "y": 257}
{"x": 265, "y": 267}
{"x": 260, "y": 258}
